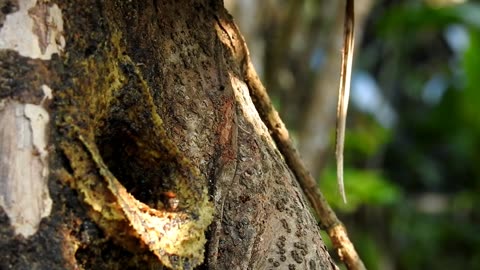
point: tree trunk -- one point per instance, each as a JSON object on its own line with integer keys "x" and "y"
{"x": 129, "y": 140}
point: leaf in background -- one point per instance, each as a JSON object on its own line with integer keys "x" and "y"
{"x": 364, "y": 187}
{"x": 366, "y": 138}
{"x": 409, "y": 19}
{"x": 471, "y": 65}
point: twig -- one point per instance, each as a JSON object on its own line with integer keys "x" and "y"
{"x": 344, "y": 93}
{"x": 328, "y": 220}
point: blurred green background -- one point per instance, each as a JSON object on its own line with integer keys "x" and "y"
{"x": 413, "y": 131}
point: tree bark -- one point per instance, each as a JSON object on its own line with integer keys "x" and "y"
{"x": 130, "y": 141}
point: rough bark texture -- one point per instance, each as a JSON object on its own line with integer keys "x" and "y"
{"x": 148, "y": 97}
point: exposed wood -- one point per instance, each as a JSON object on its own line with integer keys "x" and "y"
{"x": 24, "y": 169}
{"x": 151, "y": 112}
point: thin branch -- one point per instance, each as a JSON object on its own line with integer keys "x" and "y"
{"x": 326, "y": 216}
{"x": 344, "y": 92}
{"x": 318, "y": 119}
{"x": 319, "y": 114}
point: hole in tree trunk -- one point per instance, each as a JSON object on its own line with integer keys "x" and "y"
{"x": 130, "y": 159}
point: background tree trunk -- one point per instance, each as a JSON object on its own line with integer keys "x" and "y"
{"x": 100, "y": 100}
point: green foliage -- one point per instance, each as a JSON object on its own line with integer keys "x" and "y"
{"x": 412, "y": 19}
{"x": 363, "y": 187}
{"x": 371, "y": 252}
{"x": 432, "y": 149}
{"x": 444, "y": 240}
{"x": 366, "y": 139}
{"x": 471, "y": 95}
